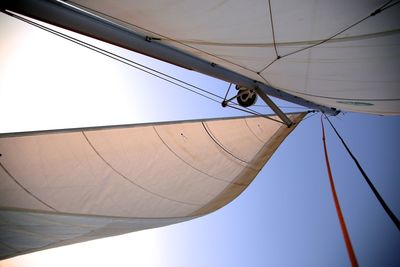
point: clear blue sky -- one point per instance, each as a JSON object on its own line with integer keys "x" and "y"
{"x": 285, "y": 218}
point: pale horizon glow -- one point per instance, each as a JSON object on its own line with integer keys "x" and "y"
{"x": 43, "y": 86}
{"x": 143, "y": 248}
{"x": 49, "y": 83}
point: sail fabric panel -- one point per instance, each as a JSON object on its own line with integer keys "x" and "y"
{"x": 260, "y": 131}
{"x": 219, "y": 170}
{"x": 309, "y": 20}
{"x": 66, "y": 186}
{"x": 136, "y": 162}
{"x": 335, "y": 70}
{"x": 24, "y": 231}
{"x": 11, "y": 194}
{"x": 262, "y": 156}
{"x": 247, "y": 58}
{"x": 66, "y": 167}
{"x": 355, "y": 70}
{"x": 235, "y": 131}
{"x": 190, "y": 19}
{"x": 165, "y": 170}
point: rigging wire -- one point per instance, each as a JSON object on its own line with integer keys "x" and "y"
{"x": 272, "y": 29}
{"x": 104, "y": 16}
{"x": 137, "y": 65}
{"x": 263, "y": 106}
{"x": 388, "y": 211}
{"x": 118, "y": 58}
{"x": 114, "y": 56}
{"x": 227, "y": 92}
{"x": 250, "y": 111}
{"x": 339, "y": 213}
{"x": 311, "y": 114}
{"x": 327, "y": 97}
{"x": 385, "y": 6}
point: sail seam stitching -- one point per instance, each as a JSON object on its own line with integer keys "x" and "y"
{"x": 129, "y": 180}
{"x": 208, "y": 131}
{"x": 209, "y": 175}
{"x": 253, "y": 132}
{"x": 298, "y": 43}
{"x": 385, "y": 6}
{"x": 272, "y": 29}
{"x": 25, "y": 189}
{"x": 331, "y": 97}
{"x": 163, "y": 36}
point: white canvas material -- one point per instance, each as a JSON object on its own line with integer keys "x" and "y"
{"x": 356, "y": 70}
{"x": 66, "y": 186}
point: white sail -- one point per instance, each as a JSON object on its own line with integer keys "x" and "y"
{"x": 68, "y": 186}
{"x": 357, "y": 70}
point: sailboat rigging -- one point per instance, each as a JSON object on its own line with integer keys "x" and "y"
{"x": 325, "y": 58}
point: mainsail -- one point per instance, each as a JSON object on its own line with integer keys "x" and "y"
{"x": 66, "y": 186}
{"x": 357, "y": 70}
{"x": 320, "y": 54}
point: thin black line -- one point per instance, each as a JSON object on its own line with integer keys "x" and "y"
{"x": 223, "y": 148}
{"x": 8, "y": 246}
{"x": 272, "y": 28}
{"x": 25, "y": 189}
{"x": 329, "y": 97}
{"x": 96, "y": 128}
{"x": 253, "y": 132}
{"x": 288, "y": 107}
{"x": 129, "y": 180}
{"x": 387, "y": 5}
{"x": 227, "y": 92}
{"x": 388, "y": 211}
{"x": 128, "y": 62}
{"x": 340, "y": 98}
{"x": 266, "y": 67}
{"x": 163, "y": 36}
{"x": 262, "y": 77}
{"x": 325, "y": 40}
{"x": 306, "y": 118}
{"x": 211, "y": 176}
{"x": 255, "y": 113}
{"x": 123, "y": 60}
{"x": 301, "y": 43}
{"x": 379, "y": 10}
{"x": 56, "y": 241}
{"x": 105, "y": 217}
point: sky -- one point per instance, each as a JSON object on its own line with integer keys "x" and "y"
{"x": 286, "y": 217}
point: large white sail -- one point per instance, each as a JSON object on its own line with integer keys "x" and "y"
{"x": 68, "y": 186}
{"x": 357, "y": 70}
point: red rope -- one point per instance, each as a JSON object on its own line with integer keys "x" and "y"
{"x": 346, "y": 236}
